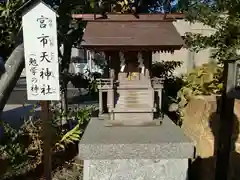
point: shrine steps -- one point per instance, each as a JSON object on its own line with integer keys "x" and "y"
{"x": 134, "y": 105}
{"x": 134, "y": 84}
{"x": 134, "y": 117}
{"x": 135, "y": 99}
{"x": 132, "y": 110}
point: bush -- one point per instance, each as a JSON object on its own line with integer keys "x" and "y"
{"x": 21, "y": 151}
{"x": 164, "y": 69}
{"x": 204, "y": 80}
{"x": 11, "y": 25}
{"x": 172, "y": 84}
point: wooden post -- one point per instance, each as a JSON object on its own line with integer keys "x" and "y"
{"x": 226, "y": 124}
{"x": 42, "y": 84}
{"x": 112, "y": 98}
{"x": 46, "y": 119}
{"x": 100, "y": 102}
{"x": 160, "y": 98}
{"x": 94, "y": 8}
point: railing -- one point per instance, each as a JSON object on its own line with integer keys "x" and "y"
{"x": 105, "y": 83}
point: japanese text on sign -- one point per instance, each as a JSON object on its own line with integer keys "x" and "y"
{"x": 41, "y": 53}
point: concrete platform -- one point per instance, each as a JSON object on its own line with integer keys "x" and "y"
{"x": 135, "y": 153}
{"x": 154, "y": 142}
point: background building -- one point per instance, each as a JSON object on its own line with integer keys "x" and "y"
{"x": 189, "y": 59}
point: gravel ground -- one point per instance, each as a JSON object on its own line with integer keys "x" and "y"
{"x": 70, "y": 171}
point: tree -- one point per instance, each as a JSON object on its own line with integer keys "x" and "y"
{"x": 69, "y": 31}
{"x": 223, "y": 17}
{"x": 9, "y": 26}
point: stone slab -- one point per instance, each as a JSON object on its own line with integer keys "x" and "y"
{"x": 172, "y": 169}
{"x": 166, "y": 141}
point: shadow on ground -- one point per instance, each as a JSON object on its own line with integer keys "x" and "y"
{"x": 204, "y": 168}
{"x": 15, "y": 115}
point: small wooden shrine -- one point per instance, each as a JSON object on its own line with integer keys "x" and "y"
{"x": 129, "y": 95}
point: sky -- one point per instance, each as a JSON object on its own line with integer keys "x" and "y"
{"x": 174, "y": 4}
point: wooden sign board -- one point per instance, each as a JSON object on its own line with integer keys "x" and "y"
{"x": 41, "y": 53}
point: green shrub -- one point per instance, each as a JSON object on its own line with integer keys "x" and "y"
{"x": 79, "y": 119}
{"x": 164, "y": 68}
{"x": 172, "y": 84}
{"x": 204, "y": 80}
{"x": 22, "y": 149}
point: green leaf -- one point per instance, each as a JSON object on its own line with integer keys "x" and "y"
{"x": 92, "y": 3}
{"x": 74, "y": 138}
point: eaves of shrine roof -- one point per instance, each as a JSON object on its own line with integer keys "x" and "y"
{"x": 146, "y": 33}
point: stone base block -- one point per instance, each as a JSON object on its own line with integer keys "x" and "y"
{"x": 136, "y": 169}
{"x": 135, "y": 153}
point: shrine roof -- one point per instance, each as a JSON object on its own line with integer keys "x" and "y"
{"x": 129, "y": 17}
{"x": 145, "y": 33}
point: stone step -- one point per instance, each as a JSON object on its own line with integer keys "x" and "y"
{"x": 133, "y": 106}
{"x": 144, "y": 103}
{"x": 137, "y": 87}
{"x": 134, "y": 82}
{"x": 134, "y": 99}
{"x": 132, "y": 93}
{"x": 122, "y": 105}
{"x": 133, "y": 116}
{"x": 132, "y": 110}
{"x": 137, "y": 92}
{"x": 133, "y": 102}
{"x": 137, "y": 100}
{"x": 134, "y": 89}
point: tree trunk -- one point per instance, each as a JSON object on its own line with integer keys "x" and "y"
{"x": 13, "y": 69}
{"x": 64, "y": 102}
{"x": 67, "y": 49}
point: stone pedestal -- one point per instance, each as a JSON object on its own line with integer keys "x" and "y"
{"x": 135, "y": 153}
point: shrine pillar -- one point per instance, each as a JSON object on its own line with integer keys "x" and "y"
{"x": 147, "y": 61}
{"x": 122, "y": 65}
{"x": 112, "y": 77}
{"x": 141, "y": 63}
{"x": 100, "y": 102}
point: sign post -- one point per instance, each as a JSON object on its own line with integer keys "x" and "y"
{"x": 42, "y": 67}
{"x": 231, "y": 92}
{"x": 46, "y": 119}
